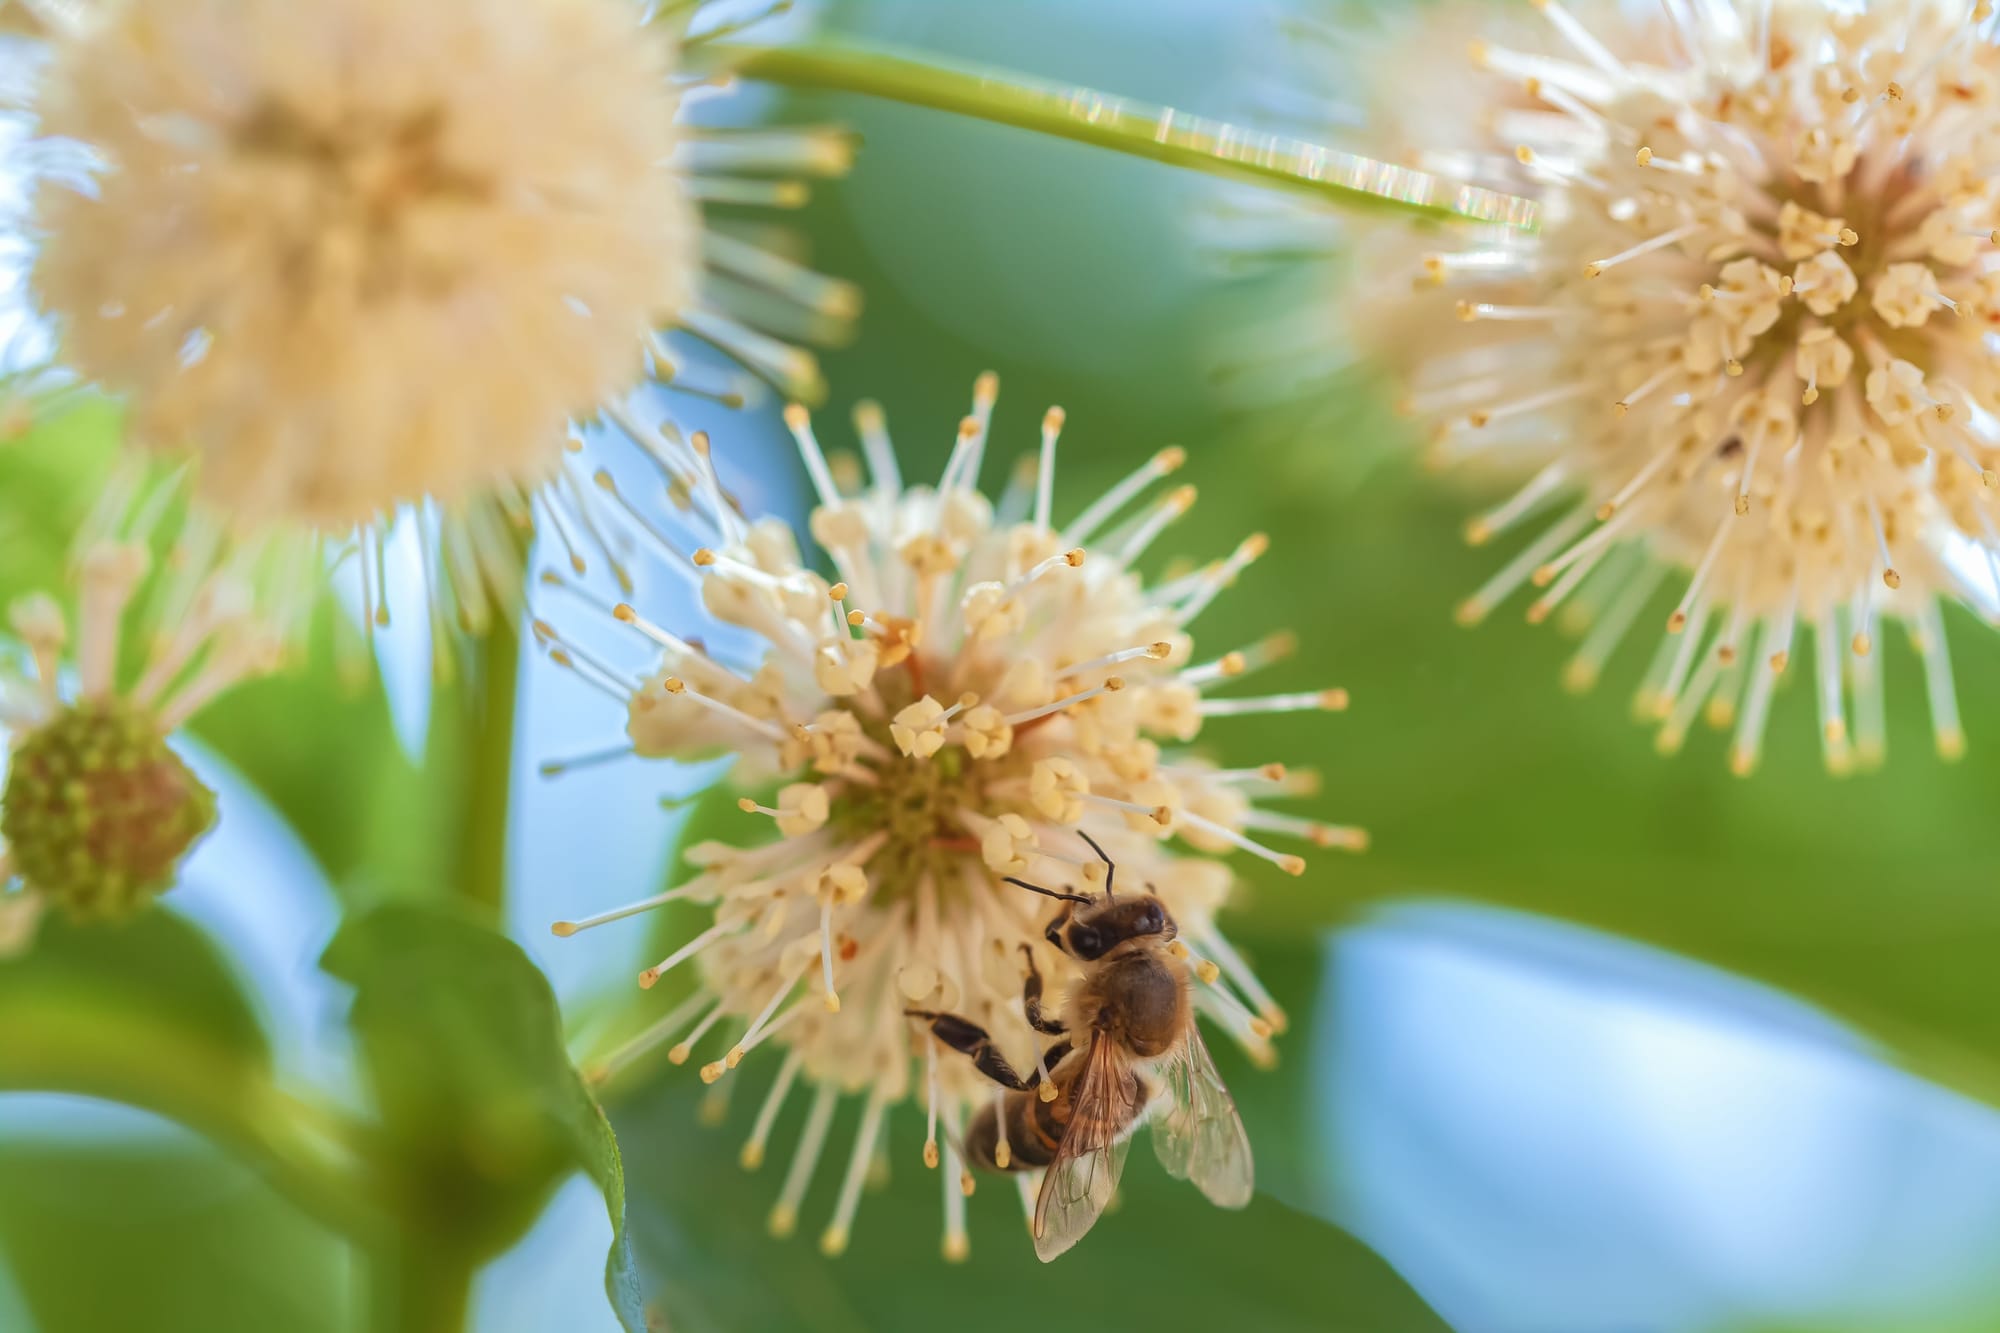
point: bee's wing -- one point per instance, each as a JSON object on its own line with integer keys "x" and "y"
{"x": 1084, "y": 1174}
{"x": 1199, "y": 1136}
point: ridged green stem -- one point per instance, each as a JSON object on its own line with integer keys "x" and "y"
{"x": 1158, "y": 134}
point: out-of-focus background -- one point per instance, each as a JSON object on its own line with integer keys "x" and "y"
{"x": 1589, "y": 1041}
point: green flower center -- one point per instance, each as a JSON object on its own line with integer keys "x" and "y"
{"x": 98, "y": 812}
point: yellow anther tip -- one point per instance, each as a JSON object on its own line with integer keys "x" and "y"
{"x": 746, "y": 805}
{"x": 1292, "y": 865}
{"x": 783, "y": 1222}
{"x": 931, "y": 1154}
{"x": 796, "y": 417}
{"x": 562, "y": 929}
{"x": 752, "y": 1156}
{"x": 712, "y": 1071}
{"x": 832, "y": 1003}
{"x": 1334, "y": 700}
{"x": 646, "y": 980}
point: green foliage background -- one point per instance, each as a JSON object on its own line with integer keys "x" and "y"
{"x": 1071, "y": 274}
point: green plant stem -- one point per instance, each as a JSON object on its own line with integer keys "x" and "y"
{"x": 305, "y": 1151}
{"x": 1159, "y": 134}
{"x": 483, "y": 870}
{"x": 415, "y": 1287}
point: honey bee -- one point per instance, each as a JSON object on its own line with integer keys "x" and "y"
{"x": 1133, "y": 1014}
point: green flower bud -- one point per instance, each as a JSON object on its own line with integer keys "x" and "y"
{"x": 98, "y": 811}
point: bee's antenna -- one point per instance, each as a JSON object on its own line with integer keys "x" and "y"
{"x": 1110, "y": 870}
{"x": 1046, "y": 893}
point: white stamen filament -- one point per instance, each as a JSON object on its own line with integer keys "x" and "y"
{"x": 675, "y": 685}
{"x": 1157, "y": 652}
{"x": 767, "y": 1114}
{"x": 1111, "y": 684}
{"x": 834, "y": 1239}
{"x": 799, "y": 423}
{"x": 1291, "y": 865}
{"x": 1045, "y": 473}
{"x": 785, "y": 1213}
{"x": 694, "y": 887}
{"x": 1086, "y": 524}
{"x": 1170, "y": 507}
{"x": 694, "y": 946}
{"x": 1331, "y": 701}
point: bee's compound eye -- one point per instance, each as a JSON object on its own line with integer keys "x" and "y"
{"x": 1085, "y": 942}
{"x": 1156, "y": 920}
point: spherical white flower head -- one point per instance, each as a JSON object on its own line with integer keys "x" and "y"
{"x": 1753, "y": 332}
{"x": 359, "y": 252}
{"x": 982, "y": 697}
{"x": 96, "y": 809}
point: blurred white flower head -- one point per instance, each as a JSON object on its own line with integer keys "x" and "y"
{"x": 1752, "y": 341}
{"x": 979, "y": 696}
{"x": 364, "y": 258}
{"x": 359, "y": 253}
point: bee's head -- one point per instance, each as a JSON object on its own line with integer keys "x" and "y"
{"x": 1092, "y": 930}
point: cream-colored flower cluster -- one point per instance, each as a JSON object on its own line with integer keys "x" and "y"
{"x": 1751, "y": 341}
{"x": 979, "y": 689}
{"x": 361, "y": 261}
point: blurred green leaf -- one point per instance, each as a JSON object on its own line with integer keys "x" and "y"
{"x": 49, "y": 478}
{"x": 173, "y": 1239}
{"x": 147, "y": 1014}
{"x": 156, "y": 971}
{"x": 481, "y": 1113}
{"x": 143, "y": 1012}
{"x": 1163, "y": 1258}
{"x": 320, "y": 744}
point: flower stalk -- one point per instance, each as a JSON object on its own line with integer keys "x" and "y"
{"x": 1156, "y": 133}
{"x": 483, "y": 872}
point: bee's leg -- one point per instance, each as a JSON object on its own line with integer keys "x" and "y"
{"x": 971, "y": 1039}
{"x": 1031, "y": 998}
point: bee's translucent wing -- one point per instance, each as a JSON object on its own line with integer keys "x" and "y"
{"x": 1198, "y": 1136}
{"x": 1084, "y": 1174}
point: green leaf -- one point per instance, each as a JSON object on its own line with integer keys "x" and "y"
{"x": 49, "y": 478}
{"x": 174, "y": 1239}
{"x": 481, "y": 1113}
{"x": 1163, "y": 1258}
{"x": 319, "y": 743}
{"x": 142, "y": 1011}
